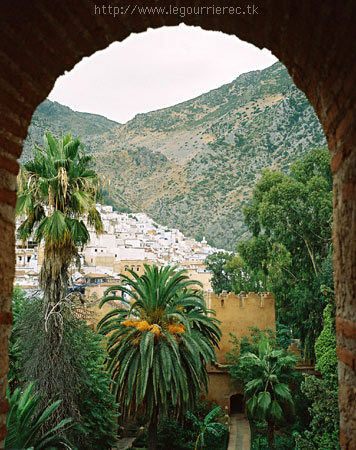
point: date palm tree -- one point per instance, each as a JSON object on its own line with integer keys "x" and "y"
{"x": 267, "y": 391}
{"x": 159, "y": 344}
{"x": 56, "y": 190}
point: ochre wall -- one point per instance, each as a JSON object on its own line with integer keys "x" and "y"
{"x": 96, "y": 291}
{"x": 220, "y": 389}
{"x": 95, "y": 313}
{"x": 203, "y": 277}
{"x": 238, "y": 313}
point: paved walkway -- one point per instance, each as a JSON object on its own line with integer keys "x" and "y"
{"x": 240, "y": 433}
{"x": 124, "y": 443}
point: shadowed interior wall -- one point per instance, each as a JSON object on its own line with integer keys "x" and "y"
{"x": 315, "y": 40}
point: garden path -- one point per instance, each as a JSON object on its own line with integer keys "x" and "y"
{"x": 240, "y": 433}
{"x": 124, "y": 443}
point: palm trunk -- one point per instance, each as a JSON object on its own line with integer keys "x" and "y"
{"x": 152, "y": 431}
{"x": 54, "y": 281}
{"x": 54, "y": 278}
{"x": 270, "y": 435}
{"x": 197, "y": 442}
{"x": 54, "y": 288}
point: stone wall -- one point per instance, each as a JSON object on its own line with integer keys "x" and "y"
{"x": 237, "y": 313}
{"x": 40, "y": 40}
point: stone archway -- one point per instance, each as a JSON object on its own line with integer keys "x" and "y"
{"x": 315, "y": 40}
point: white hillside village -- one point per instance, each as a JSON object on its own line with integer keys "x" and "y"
{"x": 129, "y": 241}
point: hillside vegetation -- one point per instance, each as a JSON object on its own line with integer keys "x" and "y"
{"x": 193, "y": 165}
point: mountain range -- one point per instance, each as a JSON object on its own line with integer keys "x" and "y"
{"x": 193, "y": 166}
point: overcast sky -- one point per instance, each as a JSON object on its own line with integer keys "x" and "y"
{"x": 156, "y": 69}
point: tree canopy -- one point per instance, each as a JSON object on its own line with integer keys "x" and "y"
{"x": 159, "y": 345}
{"x": 57, "y": 189}
{"x": 290, "y": 251}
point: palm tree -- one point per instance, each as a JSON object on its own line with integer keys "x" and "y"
{"x": 207, "y": 426}
{"x": 25, "y": 420}
{"x": 56, "y": 190}
{"x": 159, "y": 346}
{"x": 268, "y": 392}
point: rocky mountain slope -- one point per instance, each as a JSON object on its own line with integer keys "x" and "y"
{"x": 192, "y": 166}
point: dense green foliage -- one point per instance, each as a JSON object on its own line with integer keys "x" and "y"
{"x": 159, "y": 346}
{"x": 325, "y": 346}
{"x": 291, "y": 218}
{"x": 323, "y": 431}
{"x": 290, "y": 251}
{"x": 75, "y": 376}
{"x": 207, "y": 428}
{"x": 182, "y": 434}
{"x": 221, "y": 279}
{"x": 25, "y": 419}
{"x": 265, "y": 373}
{"x": 173, "y": 435}
{"x": 19, "y": 303}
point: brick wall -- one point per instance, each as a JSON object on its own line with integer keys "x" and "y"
{"x": 315, "y": 40}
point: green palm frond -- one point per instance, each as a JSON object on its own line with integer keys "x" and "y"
{"x": 264, "y": 401}
{"x": 54, "y": 229}
{"x": 25, "y": 420}
{"x": 252, "y": 405}
{"x": 253, "y": 386}
{"x": 78, "y": 231}
{"x": 210, "y": 416}
{"x": 266, "y": 392}
{"x": 275, "y": 411}
{"x": 283, "y": 392}
{"x": 159, "y": 348}
{"x": 58, "y": 180}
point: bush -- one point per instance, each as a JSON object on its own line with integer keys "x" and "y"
{"x": 71, "y": 371}
{"x": 175, "y": 435}
{"x": 25, "y": 419}
{"x": 172, "y": 435}
{"x": 323, "y": 431}
{"x": 19, "y": 302}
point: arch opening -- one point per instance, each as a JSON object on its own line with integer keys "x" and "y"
{"x": 237, "y": 404}
{"x": 322, "y": 71}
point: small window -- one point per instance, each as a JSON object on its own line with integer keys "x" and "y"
{"x": 126, "y": 268}
{"x": 28, "y": 258}
{"x": 20, "y": 258}
{"x": 138, "y": 268}
{"x": 96, "y": 250}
